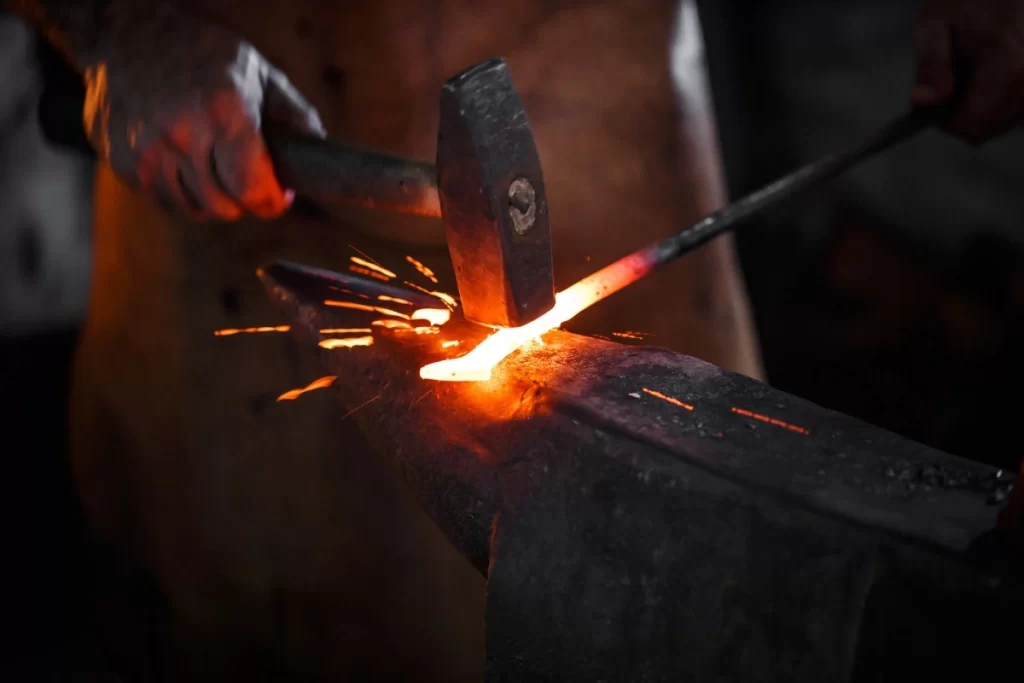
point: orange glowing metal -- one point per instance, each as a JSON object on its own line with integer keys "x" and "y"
{"x": 477, "y": 364}
{"x": 363, "y": 307}
{"x": 321, "y": 383}
{"x": 434, "y": 316}
{"x": 669, "y": 399}
{"x": 771, "y": 421}
{"x": 448, "y": 299}
{"x": 250, "y": 330}
{"x": 373, "y": 266}
{"x": 391, "y": 324}
{"x": 392, "y": 299}
{"x": 346, "y": 342}
{"x": 359, "y": 270}
{"x": 450, "y": 344}
{"x": 347, "y": 330}
{"x": 424, "y": 271}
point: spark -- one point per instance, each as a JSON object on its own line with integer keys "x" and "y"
{"x": 321, "y": 383}
{"x": 628, "y": 335}
{"x": 477, "y": 364}
{"x": 668, "y": 399}
{"x": 347, "y": 330}
{"x": 424, "y": 271}
{"x": 363, "y": 254}
{"x": 421, "y": 398}
{"x": 359, "y": 270}
{"x": 391, "y": 324}
{"x": 250, "y": 330}
{"x": 365, "y": 307}
{"x": 434, "y": 316}
{"x": 770, "y": 420}
{"x": 448, "y": 299}
{"x": 349, "y": 413}
{"x": 373, "y": 266}
{"x": 346, "y": 342}
{"x": 393, "y": 299}
{"x": 450, "y": 344}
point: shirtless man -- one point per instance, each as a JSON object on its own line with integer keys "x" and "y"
{"x": 267, "y": 526}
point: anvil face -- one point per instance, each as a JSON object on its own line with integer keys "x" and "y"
{"x": 493, "y": 202}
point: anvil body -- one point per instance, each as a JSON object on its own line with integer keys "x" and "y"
{"x": 733, "y": 532}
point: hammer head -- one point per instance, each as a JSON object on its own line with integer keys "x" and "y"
{"x": 492, "y": 198}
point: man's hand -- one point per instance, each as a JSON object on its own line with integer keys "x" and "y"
{"x": 175, "y": 103}
{"x": 973, "y": 49}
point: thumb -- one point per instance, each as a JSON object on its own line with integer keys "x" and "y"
{"x": 284, "y": 104}
{"x": 934, "y": 80}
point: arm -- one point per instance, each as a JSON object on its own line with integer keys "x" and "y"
{"x": 175, "y": 103}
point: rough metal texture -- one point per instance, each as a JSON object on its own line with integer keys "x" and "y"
{"x": 628, "y": 538}
{"x": 502, "y": 262}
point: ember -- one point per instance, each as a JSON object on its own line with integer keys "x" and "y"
{"x": 393, "y": 299}
{"x": 668, "y": 399}
{"x": 346, "y": 342}
{"x": 477, "y": 364}
{"x": 250, "y": 330}
{"x": 448, "y": 299}
{"x": 365, "y": 307}
{"x": 347, "y": 330}
{"x": 359, "y": 270}
{"x": 391, "y": 324}
{"x": 321, "y": 383}
{"x": 424, "y": 271}
{"x": 770, "y": 420}
{"x": 373, "y": 266}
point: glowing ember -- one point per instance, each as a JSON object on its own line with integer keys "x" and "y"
{"x": 347, "y": 330}
{"x": 321, "y": 383}
{"x": 476, "y": 365}
{"x": 359, "y": 270}
{"x": 346, "y": 342}
{"x": 434, "y": 316}
{"x": 363, "y": 307}
{"x": 450, "y": 344}
{"x": 373, "y": 266}
{"x": 391, "y": 324}
{"x": 668, "y": 399}
{"x": 250, "y": 330}
{"x": 448, "y": 299}
{"x": 629, "y": 335}
{"x": 771, "y": 421}
{"x": 424, "y": 271}
{"x": 392, "y": 299}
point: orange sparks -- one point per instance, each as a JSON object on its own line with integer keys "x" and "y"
{"x": 250, "y": 330}
{"x": 424, "y": 271}
{"x": 364, "y": 307}
{"x": 448, "y": 299}
{"x": 477, "y": 364}
{"x": 450, "y": 344}
{"x": 373, "y": 266}
{"x": 434, "y": 316}
{"x": 359, "y": 270}
{"x": 346, "y": 342}
{"x": 321, "y": 383}
{"x": 669, "y": 399}
{"x": 347, "y": 330}
{"x": 629, "y": 335}
{"x": 771, "y": 421}
{"x": 391, "y": 324}
{"x": 392, "y": 299}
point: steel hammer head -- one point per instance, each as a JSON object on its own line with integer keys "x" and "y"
{"x": 492, "y": 198}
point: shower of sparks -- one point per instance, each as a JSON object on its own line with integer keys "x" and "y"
{"x": 477, "y": 364}
{"x": 393, "y": 299}
{"x": 373, "y": 266}
{"x": 448, "y": 299}
{"x": 450, "y": 344}
{"x": 434, "y": 316}
{"x": 391, "y": 324}
{"x": 359, "y": 270}
{"x": 321, "y": 383}
{"x": 250, "y": 330}
{"x": 424, "y": 271}
{"x": 346, "y": 342}
{"x": 770, "y": 420}
{"x": 347, "y": 330}
{"x": 667, "y": 399}
{"x": 363, "y": 307}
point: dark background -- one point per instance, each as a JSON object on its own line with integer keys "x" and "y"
{"x": 896, "y": 295}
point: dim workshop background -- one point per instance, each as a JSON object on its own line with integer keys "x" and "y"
{"x": 894, "y": 295}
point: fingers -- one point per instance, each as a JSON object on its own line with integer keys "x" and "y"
{"x": 242, "y": 166}
{"x": 935, "y": 77}
{"x": 285, "y": 105}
